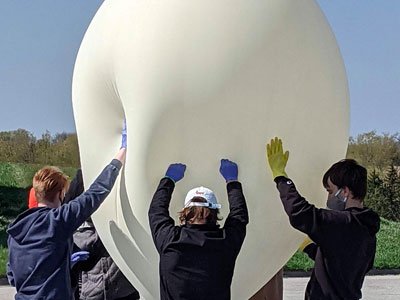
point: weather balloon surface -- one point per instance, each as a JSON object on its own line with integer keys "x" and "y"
{"x": 199, "y": 81}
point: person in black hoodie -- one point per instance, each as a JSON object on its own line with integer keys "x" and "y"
{"x": 197, "y": 259}
{"x": 344, "y": 236}
{"x": 40, "y": 239}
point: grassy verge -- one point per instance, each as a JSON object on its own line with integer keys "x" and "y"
{"x": 20, "y": 175}
{"x": 388, "y": 247}
{"x": 3, "y": 261}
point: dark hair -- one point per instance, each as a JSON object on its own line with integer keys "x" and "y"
{"x": 75, "y": 188}
{"x": 190, "y": 214}
{"x": 348, "y": 172}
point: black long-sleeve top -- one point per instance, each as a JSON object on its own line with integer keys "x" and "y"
{"x": 345, "y": 243}
{"x": 197, "y": 261}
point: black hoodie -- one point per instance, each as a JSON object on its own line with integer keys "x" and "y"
{"x": 197, "y": 261}
{"x": 345, "y": 244}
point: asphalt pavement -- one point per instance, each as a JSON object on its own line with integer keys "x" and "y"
{"x": 378, "y": 287}
{"x": 382, "y": 287}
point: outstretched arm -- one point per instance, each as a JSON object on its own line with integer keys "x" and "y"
{"x": 75, "y": 212}
{"x": 302, "y": 215}
{"x": 161, "y": 224}
{"x": 235, "y": 224}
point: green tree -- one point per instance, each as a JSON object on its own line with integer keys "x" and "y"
{"x": 375, "y": 198}
{"x": 17, "y": 146}
{"x": 43, "y": 149}
{"x": 6, "y": 151}
{"x": 391, "y": 193}
{"x": 71, "y": 148}
{"x": 65, "y": 150}
{"x": 375, "y": 151}
{"x": 383, "y": 195}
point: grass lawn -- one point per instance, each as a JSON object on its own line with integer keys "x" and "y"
{"x": 3, "y": 261}
{"x": 388, "y": 248}
{"x": 387, "y": 253}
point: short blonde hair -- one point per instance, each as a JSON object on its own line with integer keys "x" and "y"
{"x": 48, "y": 181}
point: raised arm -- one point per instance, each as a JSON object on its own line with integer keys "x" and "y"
{"x": 302, "y": 215}
{"x": 161, "y": 224}
{"x": 238, "y": 218}
{"x": 75, "y": 212}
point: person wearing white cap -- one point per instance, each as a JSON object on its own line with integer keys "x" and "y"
{"x": 197, "y": 258}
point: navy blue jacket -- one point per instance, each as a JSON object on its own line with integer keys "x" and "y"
{"x": 40, "y": 241}
{"x": 197, "y": 261}
{"x": 345, "y": 244}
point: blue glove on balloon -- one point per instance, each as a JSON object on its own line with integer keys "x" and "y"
{"x": 229, "y": 170}
{"x": 175, "y": 172}
{"x": 79, "y": 256}
{"x": 124, "y": 136}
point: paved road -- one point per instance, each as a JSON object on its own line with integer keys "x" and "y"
{"x": 375, "y": 288}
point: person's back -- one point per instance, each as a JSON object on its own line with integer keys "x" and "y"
{"x": 344, "y": 252}
{"x": 197, "y": 259}
{"x": 344, "y": 236}
{"x": 34, "y": 237}
{"x": 40, "y": 239}
{"x": 199, "y": 256}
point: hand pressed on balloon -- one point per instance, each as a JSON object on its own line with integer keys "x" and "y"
{"x": 79, "y": 256}
{"x": 124, "y": 135}
{"x": 276, "y": 158}
{"x": 229, "y": 170}
{"x": 176, "y": 171}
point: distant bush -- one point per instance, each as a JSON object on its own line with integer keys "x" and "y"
{"x": 384, "y": 193}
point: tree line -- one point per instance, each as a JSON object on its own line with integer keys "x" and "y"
{"x": 379, "y": 153}
{"x": 21, "y": 146}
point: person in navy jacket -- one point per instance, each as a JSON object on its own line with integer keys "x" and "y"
{"x": 40, "y": 239}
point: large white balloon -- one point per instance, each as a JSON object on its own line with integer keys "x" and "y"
{"x": 199, "y": 81}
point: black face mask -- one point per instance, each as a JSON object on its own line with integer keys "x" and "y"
{"x": 336, "y": 202}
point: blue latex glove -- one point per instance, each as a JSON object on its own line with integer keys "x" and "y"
{"x": 79, "y": 256}
{"x": 175, "y": 172}
{"x": 229, "y": 170}
{"x": 124, "y": 136}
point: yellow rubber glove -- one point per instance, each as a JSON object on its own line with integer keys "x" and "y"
{"x": 276, "y": 158}
{"x": 307, "y": 241}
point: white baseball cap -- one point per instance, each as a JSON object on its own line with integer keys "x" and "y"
{"x": 206, "y": 194}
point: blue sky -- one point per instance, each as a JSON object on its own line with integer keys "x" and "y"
{"x": 40, "y": 40}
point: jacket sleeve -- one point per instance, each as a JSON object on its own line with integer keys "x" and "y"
{"x": 238, "y": 218}
{"x": 311, "y": 250}
{"x": 318, "y": 224}
{"x": 161, "y": 224}
{"x": 10, "y": 275}
{"x": 75, "y": 212}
